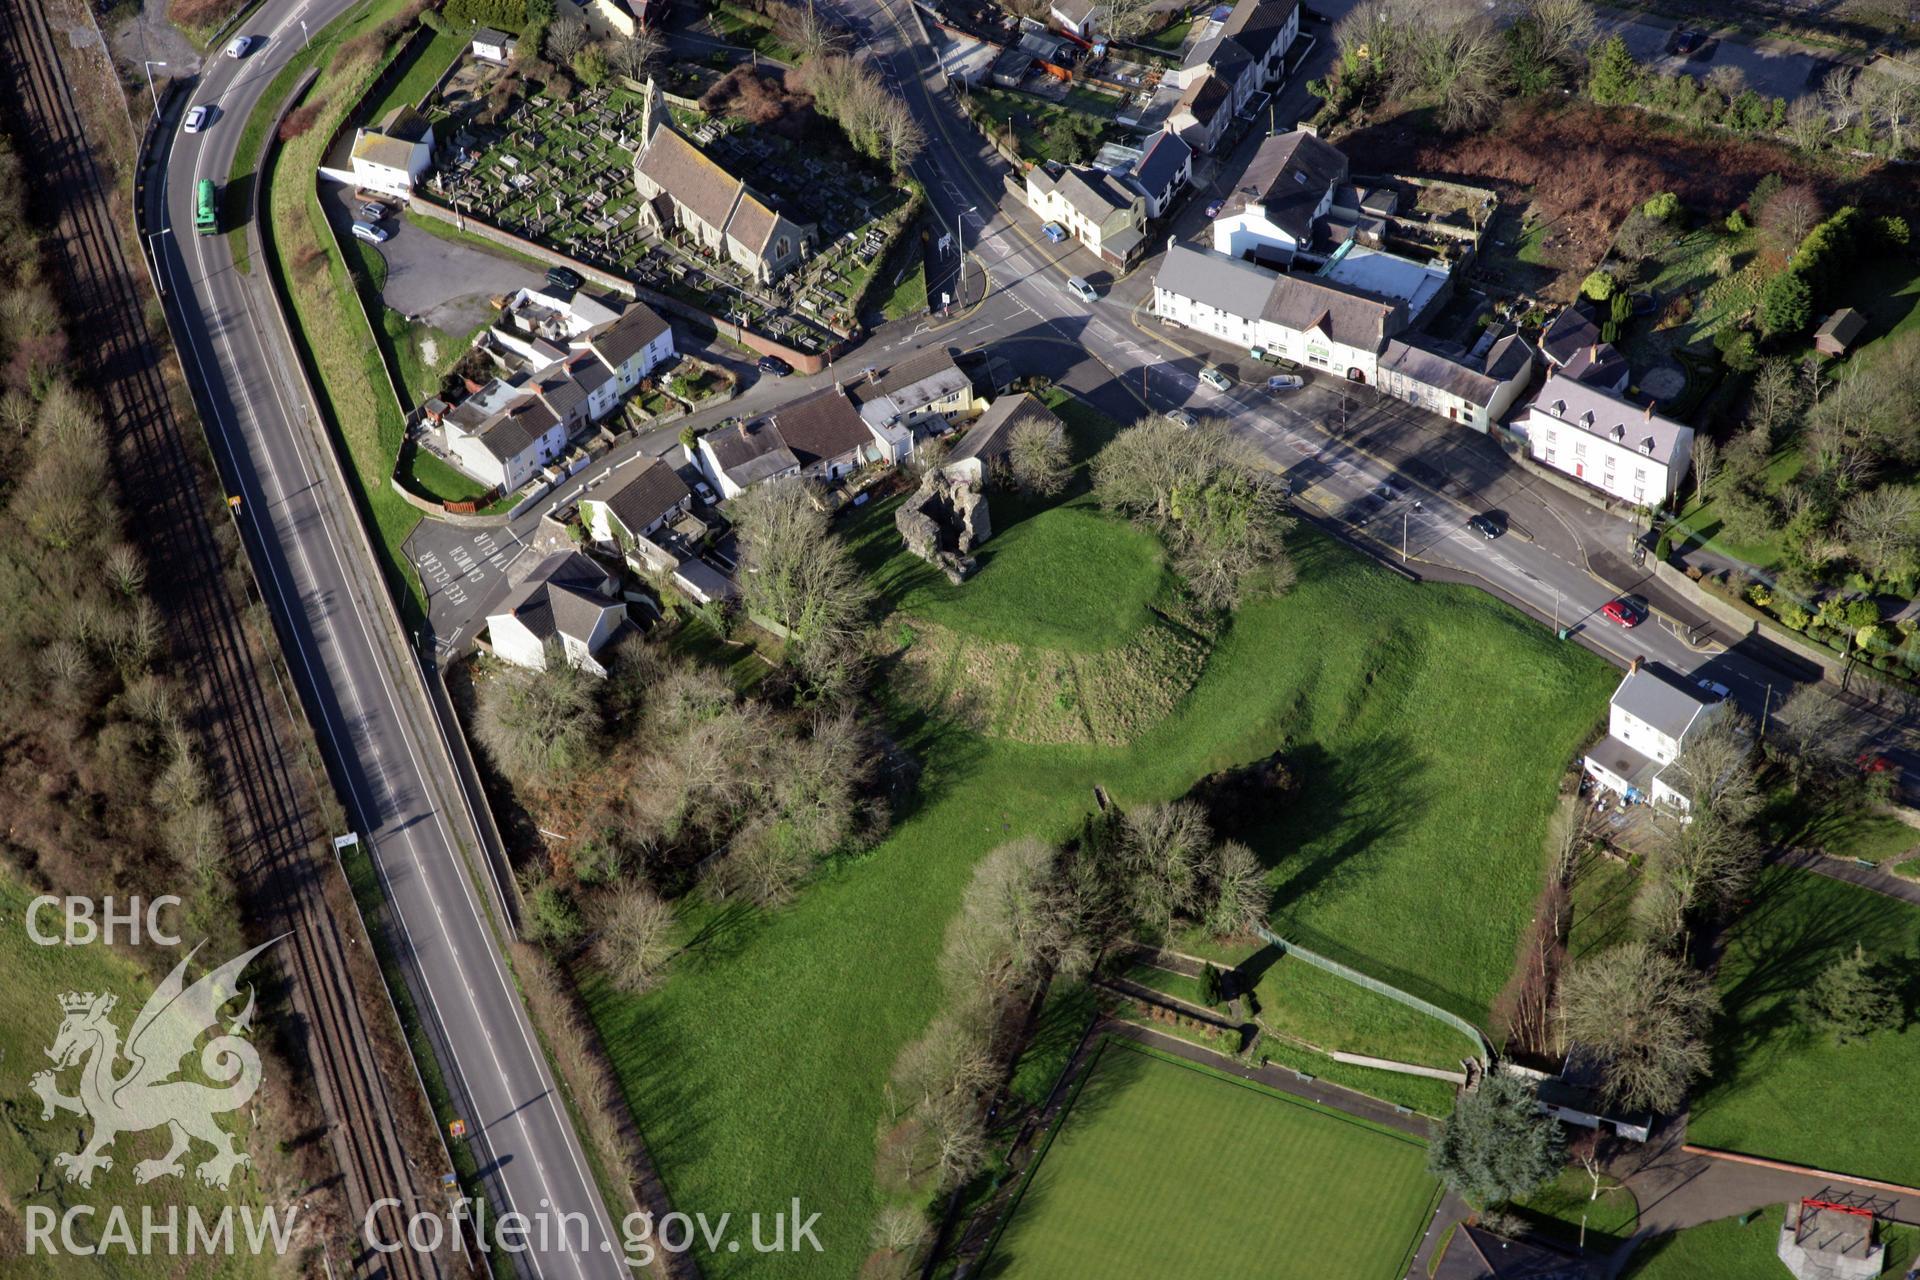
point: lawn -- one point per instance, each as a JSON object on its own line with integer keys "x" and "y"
{"x": 1171, "y": 37}
{"x": 1842, "y": 829}
{"x": 30, "y": 1017}
{"x": 432, "y": 478}
{"x": 1603, "y": 890}
{"x": 1727, "y": 1250}
{"x": 756, "y": 1071}
{"x": 1162, "y": 1168}
{"x": 1778, "y": 1088}
{"x": 423, "y": 71}
{"x": 1560, "y": 1208}
{"x": 328, "y": 329}
{"x": 1700, "y": 522}
{"x": 1065, "y": 578}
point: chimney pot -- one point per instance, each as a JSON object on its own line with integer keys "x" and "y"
{"x": 1649, "y": 417}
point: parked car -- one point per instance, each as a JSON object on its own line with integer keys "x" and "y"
{"x": 371, "y": 233}
{"x": 1182, "y": 418}
{"x": 773, "y": 365}
{"x": 238, "y": 46}
{"x": 1215, "y": 379}
{"x": 1713, "y": 689}
{"x": 373, "y": 211}
{"x": 1488, "y": 525}
{"x": 1388, "y": 492}
{"x": 1214, "y": 207}
{"x": 564, "y": 278}
{"x": 1626, "y": 612}
{"x": 1286, "y": 382}
{"x": 1054, "y": 232}
{"x": 702, "y": 492}
{"x": 197, "y": 119}
{"x": 1081, "y": 289}
{"x": 1686, "y": 40}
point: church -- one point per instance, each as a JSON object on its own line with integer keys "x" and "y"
{"x": 681, "y": 186}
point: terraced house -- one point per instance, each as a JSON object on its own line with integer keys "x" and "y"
{"x": 681, "y": 187}
{"x": 1096, "y": 208}
{"x": 1244, "y": 51}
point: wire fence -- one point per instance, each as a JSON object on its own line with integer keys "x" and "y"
{"x": 1359, "y": 979}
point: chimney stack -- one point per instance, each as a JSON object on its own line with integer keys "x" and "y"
{"x": 1649, "y": 417}
{"x": 1634, "y": 665}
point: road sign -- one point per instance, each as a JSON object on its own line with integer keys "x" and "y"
{"x": 233, "y": 500}
{"x": 946, "y": 299}
{"x": 457, "y": 1128}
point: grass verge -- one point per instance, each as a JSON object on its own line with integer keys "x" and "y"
{"x": 1732, "y": 1250}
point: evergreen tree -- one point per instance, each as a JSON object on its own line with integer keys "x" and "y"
{"x": 1615, "y": 74}
{"x": 1211, "y": 989}
{"x": 1786, "y": 304}
{"x": 1851, "y": 998}
{"x": 1496, "y": 1146}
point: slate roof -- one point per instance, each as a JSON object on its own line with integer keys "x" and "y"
{"x": 1074, "y": 11}
{"x": 1478, "y": 1254}
{"x": 1599, "y": 413}
{"x": 1204, "y": 98}
{"x": 406, "y": 124}
{"x": 1569, "y": 331}
{"x": 645, "y": 496}
{"x": 487, "y": 35}
{"x": 753, "y": 222}
{"x": 915, "y": 382}
{"x": 1097, "y": 196}
{"x": 693, "y": 178}
{"x": 589, "y": 370}
{"x": 1598, "y": 364}
{"x": 1226, "y": 284}
{"x": 1843, "y": 326}
{"x": 1302, "y": 303}
{"x": 514, "y": 429}
{"x": 1288, "y": 176}
{"x": 1432, "y": 369}
{"x": 1650, "y": 695}
{"x": 1162, "y": 161}
{"x": 1246, "y": 36}
{"x": 561, "y": 597}
{"x": 1507, "y": 356}
{"x": 563, "y": 395}
{"x": 991, "y": 435}
{"x": 622, "y": 339}
{"x": 377, "y": 148}
{"x": 750, "y": 452}
{"x": 822, "y": 426}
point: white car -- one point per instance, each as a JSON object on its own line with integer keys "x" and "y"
{"x": 1181, "y": 417}
{"x": 196, "y": 119}
{"x": 1082, "y": 290}
{"x": 370, "y": 233}
{"x": 238, "y": 46}
{"x": 1216, "y": 379}
{"x": 1286, "y": 382}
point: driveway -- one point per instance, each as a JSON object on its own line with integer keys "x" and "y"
{"x": 446, "y": 283}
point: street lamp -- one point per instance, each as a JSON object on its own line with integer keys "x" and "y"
{"x": 148, "y": 67}
{"x": 961, "y": 241}
{"x": 306, "y": 41}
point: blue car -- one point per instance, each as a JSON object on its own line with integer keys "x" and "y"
{"x": 1055, "y": 232}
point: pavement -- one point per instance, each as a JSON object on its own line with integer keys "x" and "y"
{"x": 361, "y": 687}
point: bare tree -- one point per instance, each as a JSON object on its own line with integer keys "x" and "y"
{"x": 1882, "y": 528}
{"x": 1127, "y": 18}
{"x": 566, "y": 37}
{"x": 1774, "y": 398}
{"x": 1727, "y": 80}
{"x": 1164, "y": 849}
{"x": 1037, "y": 457}
{"x": 536, "y": 724}
{"x": 796, "y": 572}
{"x": 1643, "y": 1013}
{"x": 635, "y": 940}
{"x": 1706, "y": 457}
{"x": 1807, "y": 122}
{"x": 632, "y": 56}
{"x": 1837, "y": 96}
{"x": 901, "y": 136}
{"x": 804, "y": 29}
{"x": 899, "y": 1229}
{"x": 1789, "y": 214}
{"x": 1239, "y": 890}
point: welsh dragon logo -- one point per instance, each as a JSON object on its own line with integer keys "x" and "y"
{"x": 144, "y": 1095}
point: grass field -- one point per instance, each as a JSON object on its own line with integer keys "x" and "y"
{"x": 30, "y": 1017}
{"x": 757, "y": 1071}
{"x": 1725, "y": 1250}
{"x": 1779, "y": 1089}
{"x": 1161, "y": 1168}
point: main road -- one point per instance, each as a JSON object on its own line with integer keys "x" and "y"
{"x": 360, "y": 682}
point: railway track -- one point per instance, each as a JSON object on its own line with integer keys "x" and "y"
{"x": 277, "y": 846}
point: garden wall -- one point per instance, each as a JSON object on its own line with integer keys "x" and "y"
{"x": 802, "y": 361}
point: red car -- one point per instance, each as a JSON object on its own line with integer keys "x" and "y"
{"x": 1624, "y": 612}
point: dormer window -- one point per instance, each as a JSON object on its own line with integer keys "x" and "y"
{"x": 1619, "y": 431}
{"x": 1586, "y": 419}
{"x": 1559, "y": 408}
{"x": 1646, "y": 446}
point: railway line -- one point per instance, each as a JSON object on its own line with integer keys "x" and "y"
{"x": 279, "y": 851}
